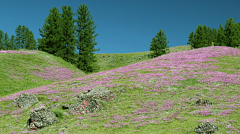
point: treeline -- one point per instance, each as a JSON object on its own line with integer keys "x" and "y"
{"x": 205, "y": 36}
{"x": 61, "y": 38}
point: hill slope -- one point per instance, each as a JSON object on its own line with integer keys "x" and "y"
{"x": 158, "y": 98}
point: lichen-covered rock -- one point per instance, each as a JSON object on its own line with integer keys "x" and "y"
{"x": 25, "y": 100}
{"x": 87, "y": 102}
{"x": 100, "y": 93}
{"x": 200, "y": 101}
{"x": 41, "y": 117}
{"x": 206, "y": 128}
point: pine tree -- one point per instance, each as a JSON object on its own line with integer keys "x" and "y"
{"x": 30, "y": 41}
{"x": 19, "y": 37}
{"x": 221, "y": 37}
{"x": 24, "y": 32}
{"x": 13, "y": 43}
{"x": 205, "y": 36}
{"x": 67, "y": 49}
{"x": 51, "y": 33}
{"x": 40, "y": 45}
{"x": 1, "y": 38}
{"x": 159, "y": 45}
{"x": 199, "y": 37}
{"x": 238, "y": 25}
{"x": 234, "y": 36}
{"x": 85, "y": 26}
{"x": 230, "y": 33}
{"x": 6, "y": 42}
{"x": 191, "y": 40}
{"x": 214, "y": 36}
{"x": 208, "y": 33}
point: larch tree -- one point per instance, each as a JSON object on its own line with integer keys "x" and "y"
{"x": 235, "y": 35}
{"x": 191, "y": 40}
{"x": 206, "y": 36}
{"x": 221, "y": 37}
{"x": 199, "y": 37}
{"x": 230, "y": 33}
{"x": 19, "y": 37}
{"x": 24, "y": 33}
{"x": 214, "y": 36}
{"x": 209, "y": 36}
{"x": 159, "y": 45}
{"x": 13, "y": 43}
{"x": 1, "y": 40}
{"x": 86, "y": 60}
{"x": 6, "y": 42}
{"x": 30, "y": 41}
{"x": 51, "y": 33}
{"x": 67, "y": 48}
{"x": 238, "y": 25}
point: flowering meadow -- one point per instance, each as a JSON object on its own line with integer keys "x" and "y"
{"x": 156, "y": 98}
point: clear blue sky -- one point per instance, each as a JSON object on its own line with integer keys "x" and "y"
{"x": 126, "y": 26}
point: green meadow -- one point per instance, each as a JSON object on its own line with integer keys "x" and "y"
{"x": 157, "y": 98}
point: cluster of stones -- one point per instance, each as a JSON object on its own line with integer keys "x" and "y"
{"x": 87, "y": 102}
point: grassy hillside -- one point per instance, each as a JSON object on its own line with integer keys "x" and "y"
{"x": 17, "y": 69}
{"x": 157, "y": 90}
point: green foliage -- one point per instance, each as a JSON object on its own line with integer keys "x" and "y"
{"x": 67, "y": 49}
{"x": 19, "y": 37}
{"x": 85, "y": 26}
{"x": 221, "y": 37}
{"x": 13, "y": 43}
{"x": 159, "y": 45}
{"x": 232, "y": 31}
{"x": 1, "y": 37}
{"x": 191, "y": 40}
{"x": 204, "y": 36}
{"x": 214, "y": 35}
{"x": 51, "y": 33}
{"x": 6, "y": 42}
{"x": 31, "y": 42}
{"x": 58, "y": 113}
{"x": 199, "y": 37}
{"x": 23, "y": 34}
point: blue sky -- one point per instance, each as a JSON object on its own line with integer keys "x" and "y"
{"x": 126, "y": 26}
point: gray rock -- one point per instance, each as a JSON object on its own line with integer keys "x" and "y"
{"x": 206, "y": 128}
{"x": 25, "y": 100}
{"x": 41, "y": 117}
{"x": 87, "y": 102}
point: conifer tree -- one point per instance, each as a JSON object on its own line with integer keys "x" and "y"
{"x": 199, "y": 37}
{"x": 209, "y": 36}
{"x": 205, "y": 36}
{"x": 231, "y": 33}
{"x": 30, "y": 41}
{"x": 6, "y": 42}
{"x": 159, "y": 45}
{"x": 238, "y": 25}
{"x": 13, "y": 43}
{"x": 23, "y": 33}
{"x": 51, "y": 33}
{"x": 221, "y": 37}
{"x": 191, "y": 40}
{"x": 19, "y": 37}
{"x": 235, "y": 35}
{"x": 85, "y": 26}
{"x": 67, "y": 49}
{"x": 214, "y": 36}
{"x": 1, "y": 40}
